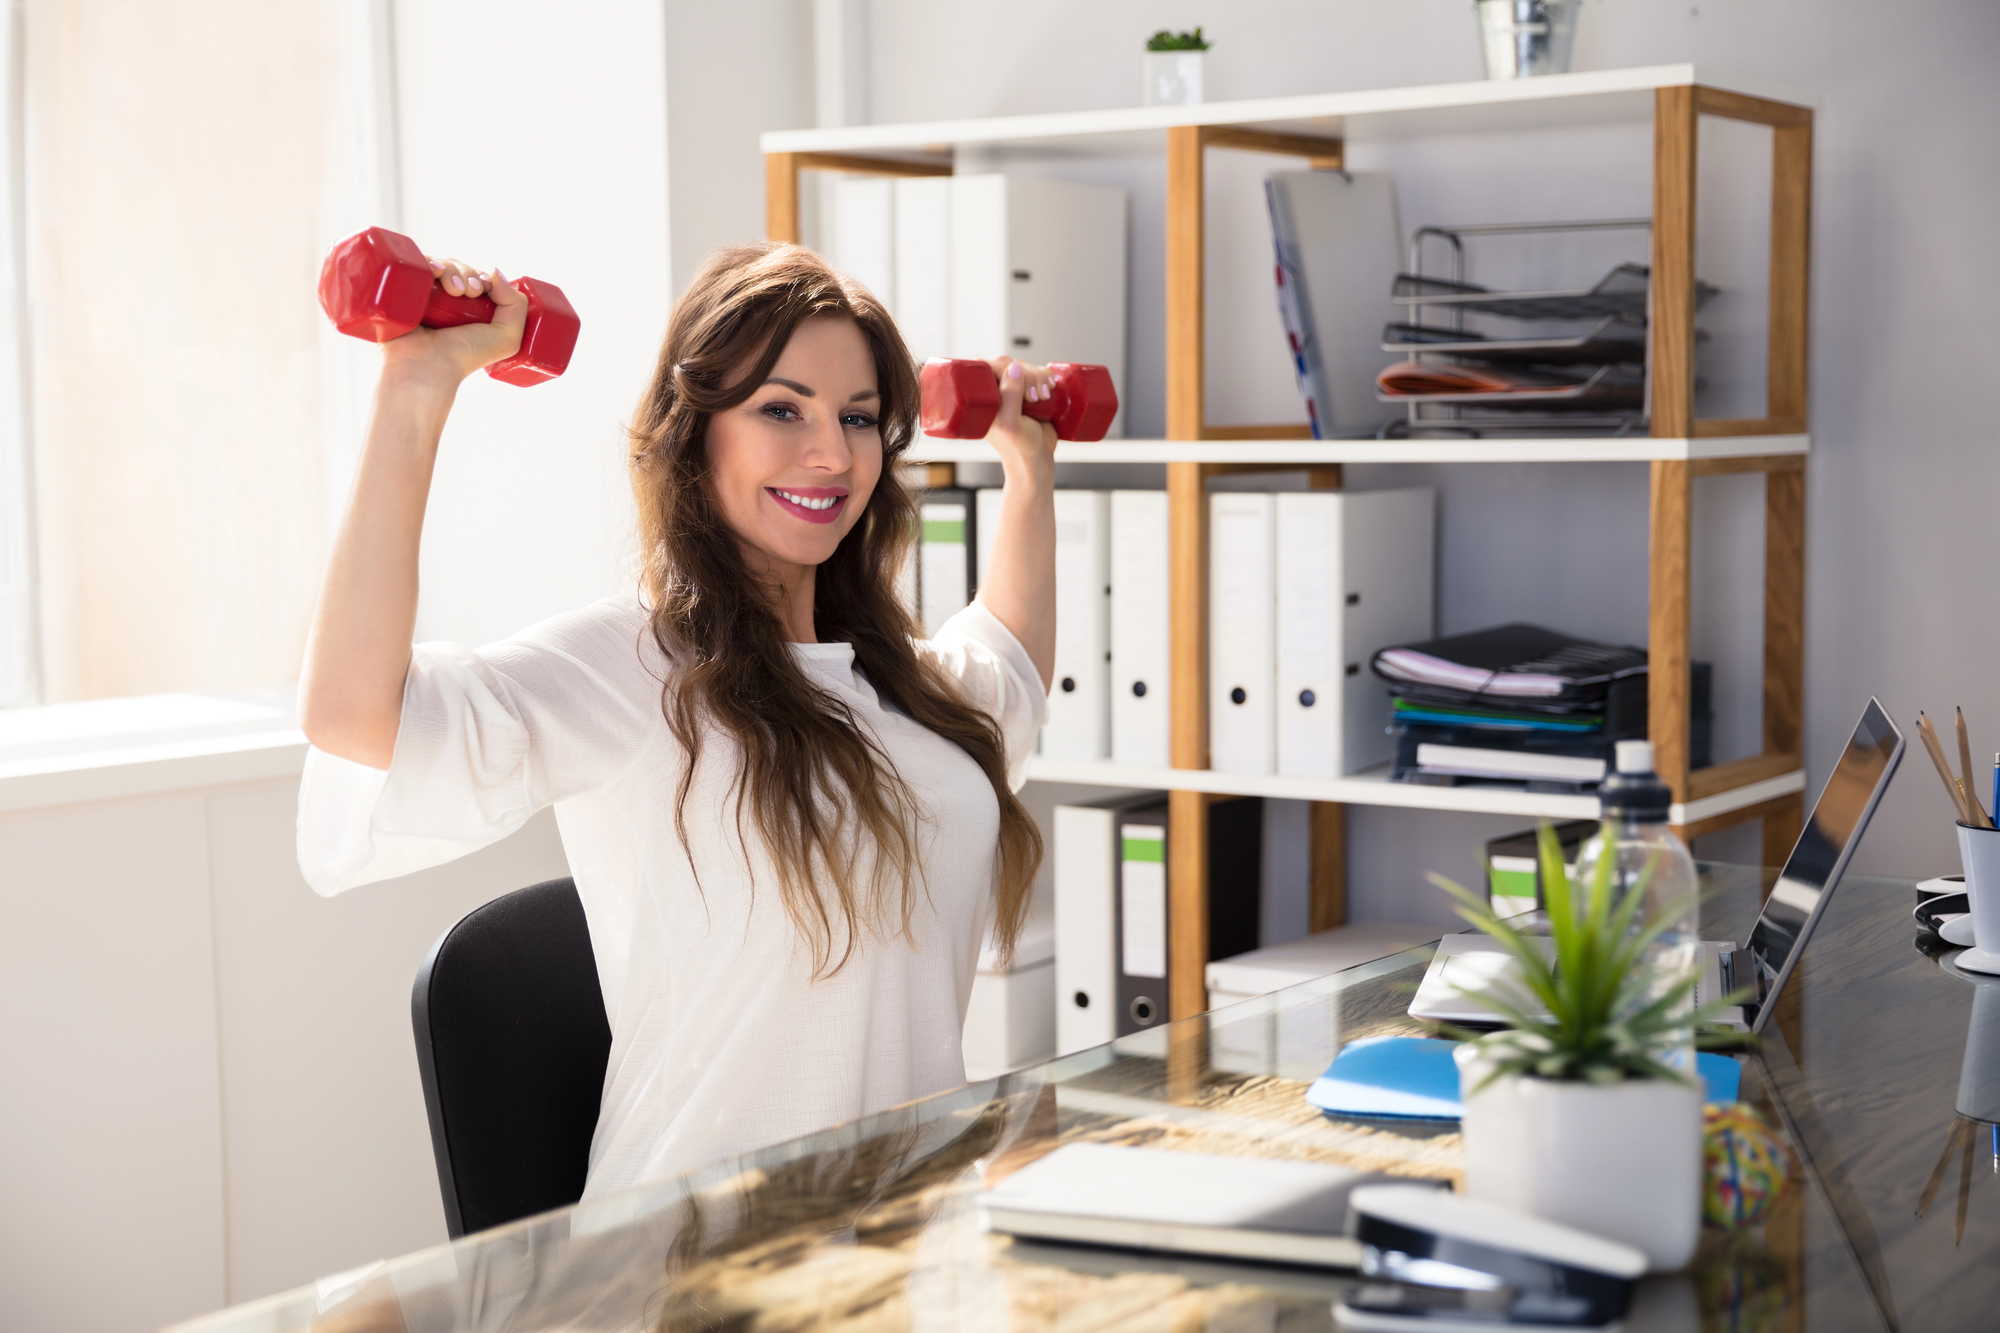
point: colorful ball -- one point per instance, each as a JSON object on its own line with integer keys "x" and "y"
{"x": 1747, "y": 1166}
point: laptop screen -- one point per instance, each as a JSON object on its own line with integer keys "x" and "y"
{"x": 1831, "y": 833}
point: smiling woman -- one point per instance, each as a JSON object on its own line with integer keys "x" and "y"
{"x": 765, "y": 713}
{"x": 794, "y": 465}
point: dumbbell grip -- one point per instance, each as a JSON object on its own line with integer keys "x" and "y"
{"x": 445, "y": 311}
{"x": 1049, "y": 408}
{"x": 961, "y": 399}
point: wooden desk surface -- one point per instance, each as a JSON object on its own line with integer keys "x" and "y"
{"x": 873, "y": 1225}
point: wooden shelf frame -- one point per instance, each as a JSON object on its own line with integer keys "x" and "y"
{"x": 1768, "y": 786}
{"x": 1670, "y": 379}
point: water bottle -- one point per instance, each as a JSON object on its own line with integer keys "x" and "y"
{"x": 1635, "y": 834}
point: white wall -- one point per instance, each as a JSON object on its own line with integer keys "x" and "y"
{"x": 212, "y": 1088}
{"x": 1902, "y": 481}
{"x": 632, "y": 153}
{"x": 733, "y": 71}
{"x": 534, "y": 137}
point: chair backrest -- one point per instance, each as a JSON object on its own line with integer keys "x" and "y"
{"x": 512, "y": 1043}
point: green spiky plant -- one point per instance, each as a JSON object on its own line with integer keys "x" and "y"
{"x": 1177, "y": 41}
{"x": 1613, "y": 1013}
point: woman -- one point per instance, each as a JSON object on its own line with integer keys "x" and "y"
{"x": 790, "y": 820}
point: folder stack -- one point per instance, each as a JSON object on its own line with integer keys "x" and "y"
{"x": 1521, "y": 703}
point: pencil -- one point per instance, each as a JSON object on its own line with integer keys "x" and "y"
{"x": 1972, "y": 805}
{"x": 1935, "y": 749}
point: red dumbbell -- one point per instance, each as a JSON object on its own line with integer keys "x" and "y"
{"x": 377, "y": 285}
{"x": 961, "y": 398}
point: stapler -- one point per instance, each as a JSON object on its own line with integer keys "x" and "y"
{"x": 1446, "y": 1264}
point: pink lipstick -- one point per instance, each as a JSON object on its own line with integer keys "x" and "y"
{"x": 814, "y": 504}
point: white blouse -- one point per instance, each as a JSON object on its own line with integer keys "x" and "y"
{"x": 721, "y": 1041}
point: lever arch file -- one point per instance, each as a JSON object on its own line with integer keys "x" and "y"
{"x": 1242, "y": 614}
{"x": 1354, "y": 575}
{"x": 1086, "y": 856}
{"x": 1111, "y": 916}
{"x": 1079, "y": 714}
{"x": 944, "y": 554}
{"x": 1139, "y": 609}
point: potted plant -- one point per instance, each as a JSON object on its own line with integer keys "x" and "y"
{"x": 1173, "y": 67}
{"x": 1585, "y": 1108}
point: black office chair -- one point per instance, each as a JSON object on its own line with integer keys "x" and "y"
{"x": 513, "y": 1043}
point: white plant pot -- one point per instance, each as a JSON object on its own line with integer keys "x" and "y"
{"x": 1620, "y": 1160}
{"x": 1173, "y": 78}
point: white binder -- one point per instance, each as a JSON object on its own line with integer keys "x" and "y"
{"x": 1139, "y": 636}
{"x": 1079, "y": 726}
{"x": 1242, "y": 613}
{"x": 864, "y": 233}
{"x": 1037, "y": 271}
{"x": 986, "y": 523}
{"x": 923, "y": 265}
{"x": 1086, "y": 878}
{"x": 943, "y": 581}
{"x": 1354, "y": 575}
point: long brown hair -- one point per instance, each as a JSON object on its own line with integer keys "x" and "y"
{"x": 810, "y": 776}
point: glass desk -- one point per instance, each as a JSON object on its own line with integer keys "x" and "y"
{"x": 872, "y": 1225}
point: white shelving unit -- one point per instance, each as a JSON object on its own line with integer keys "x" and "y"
{"x": 1440, "y": 108}
{"x": 1372, "y": 787}
{"x": 1315, "y": 453}
{"x": 1671, "y": 102}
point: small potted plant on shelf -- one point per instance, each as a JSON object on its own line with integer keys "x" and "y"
{"x": 1585, "y": 1108}
{"x": 1173, "y": 67}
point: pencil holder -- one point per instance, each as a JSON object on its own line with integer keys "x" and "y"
{"x": 1979, "y": 852}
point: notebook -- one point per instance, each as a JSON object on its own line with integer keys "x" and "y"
{"x": 1189, "y": 1203}
{"x": 1416, "y": 1078}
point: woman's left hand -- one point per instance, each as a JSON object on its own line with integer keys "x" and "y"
{"x": 1019, "y": 439}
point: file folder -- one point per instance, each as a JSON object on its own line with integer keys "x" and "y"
{"x": 1086, "y": 888}
{"x": 1242, "y": 615}
{"x": 945, "y": 554}
{"x": 1355, "y": 574}
{"x": 1079, "y": 727}
{"x": 864, "y": 233}
{"x": 1113, "y": 926}
{"x": 923, "y": 307}
{"x": 1139, "y": 637}
{"x": 985, "y": 523}
{"x": 1142, "y": 919}
{"x": 1038, "y": 271}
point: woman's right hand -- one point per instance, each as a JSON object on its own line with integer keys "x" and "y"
{"x": 351, "y": 689}
{"x": 454, "y": 353}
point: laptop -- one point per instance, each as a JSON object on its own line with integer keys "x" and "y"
{"x": 1267, "y": 1209}
{"x": 1475, "y": 962}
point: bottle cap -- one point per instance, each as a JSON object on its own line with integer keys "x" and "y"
{"x": 1635, "y": 757}
{"x": 1634, "y": 792}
